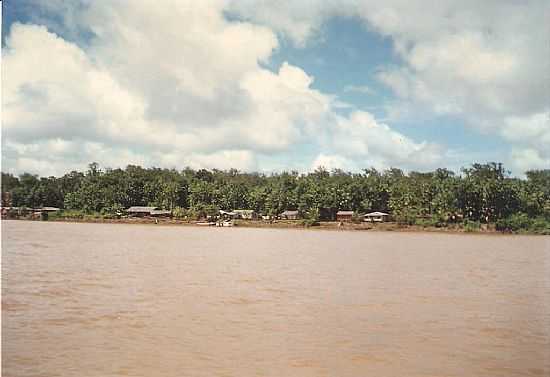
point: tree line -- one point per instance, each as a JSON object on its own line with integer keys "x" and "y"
{"x": 483, "y": 193}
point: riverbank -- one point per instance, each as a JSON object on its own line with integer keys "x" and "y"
{"x": 298, "y": 224}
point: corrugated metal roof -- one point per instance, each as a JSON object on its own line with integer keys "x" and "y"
{"x": 48, "y": 209}
{"x": 376, "y": 214}
{"x": 141, "y": 209}
{"x": 287, "y": 213}
{"x": 161, "y": 212}
{"x": 343, "y": 213}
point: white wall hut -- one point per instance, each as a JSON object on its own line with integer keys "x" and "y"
{"x": 290, "y": 215}
{"x": 139, "y": 211}
{"x": 376, "y": 217}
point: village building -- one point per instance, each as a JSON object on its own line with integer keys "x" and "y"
{"x": 344, "y": 215}
{"x": 6, "y": 199}
{"x": 48, "y": 209}
{"x": 246, "y": 214}
{"x": 42, "y": 212}
{"x": 376, "y": 217}
{"x": 327, "y": 214}
{"x": 230, "y": 215}
{"x": 290, "y": 215}
{"x": 137, "y": 211}
{"x": 14, "y": 212}
{"x": 161, "y": 213}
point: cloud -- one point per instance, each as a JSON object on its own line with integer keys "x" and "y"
{"x": 184, "y": 85}
{"x": 485, "y": 62}
{"x": 299, "y": 21}
{"x": 331, "y": 162}
{"x": 178, "y": 85}
{"x": 529, "y": 159}
{"x": 360, "y": 137}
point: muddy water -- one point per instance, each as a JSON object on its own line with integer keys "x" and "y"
{"x": 132, "y": 300}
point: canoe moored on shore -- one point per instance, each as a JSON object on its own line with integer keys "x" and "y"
{"x": 205, "y": 223}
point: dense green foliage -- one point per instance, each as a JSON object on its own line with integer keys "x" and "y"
{"x": 482, "y": 193}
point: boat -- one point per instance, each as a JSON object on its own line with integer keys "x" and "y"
{"x": 225, "y": 223}
{"x": 205, "y": 223}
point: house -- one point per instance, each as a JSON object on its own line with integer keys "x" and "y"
{"x": 6, "y": 199}
{"x": 376, "y": 217}
{"x": 246, "y": 214}
{"x": 344, "y": 215}
{"x": 228, "y": 215}
{"x": 10, "y": 212}
{"x": 42, "y": 212}
{"x": 161, "y": 213}
{"x": 48, "y": 209}
{"x": 138, "y": 211}
{"x": 290, "y": 215}
{"x": 327, "y": 214}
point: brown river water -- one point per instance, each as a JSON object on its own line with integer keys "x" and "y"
{"x": 145, "y": 300}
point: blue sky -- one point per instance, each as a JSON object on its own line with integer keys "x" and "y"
{"x": 343, "y": 84}
{"x": 349, "y": 55}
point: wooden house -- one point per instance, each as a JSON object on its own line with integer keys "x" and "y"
{"x": 161, "y": 213}
{"x": 138, "y": 211}
{"x": 290, "y": 215}
{"x": 344, "y": 215}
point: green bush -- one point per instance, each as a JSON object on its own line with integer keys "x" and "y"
{"x": 181, "y": 213}
{"x": 471, "y": 226}
{"x": 541, "y": 225}
{"x": 310, "y": 222}
{"x": 521, "y": 222}
{"x": 432, "y": 221}
{"x": 72, "y": 214}
{"x": 406, "y": 217}
{"x": 312, "y": 218}
{"x": 54, "y": 215}
{"x": 356, "y": 219}
{"x": 514, "y": 223}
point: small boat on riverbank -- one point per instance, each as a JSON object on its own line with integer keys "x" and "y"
{"x": 225, "y": 223}
{"x": 204, "y": 223}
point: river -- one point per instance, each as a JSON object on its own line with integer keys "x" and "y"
{"x": 146, "y": 300}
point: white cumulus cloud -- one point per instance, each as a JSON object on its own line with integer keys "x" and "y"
{"x": 487, "y": 62}
{"x": 183, "y": 84}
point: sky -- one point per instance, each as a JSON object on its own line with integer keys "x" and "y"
{"x": 275, "y": 85}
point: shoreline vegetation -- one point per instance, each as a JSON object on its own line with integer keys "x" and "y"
{"x": 482, "y": 198}
{"x": 487, "y": 229}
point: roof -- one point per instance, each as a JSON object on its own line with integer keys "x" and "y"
{"x": 161, "y": 212}
{"x": 376, "y": 214}
{"x": 48, "y": 209}
{"x": 289, "y": 213}
{"x": 222, "y": 212}
{"x": 244, "y": 211}
{"x": 141, "y": 209}
{"x": 349, "y": 213}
